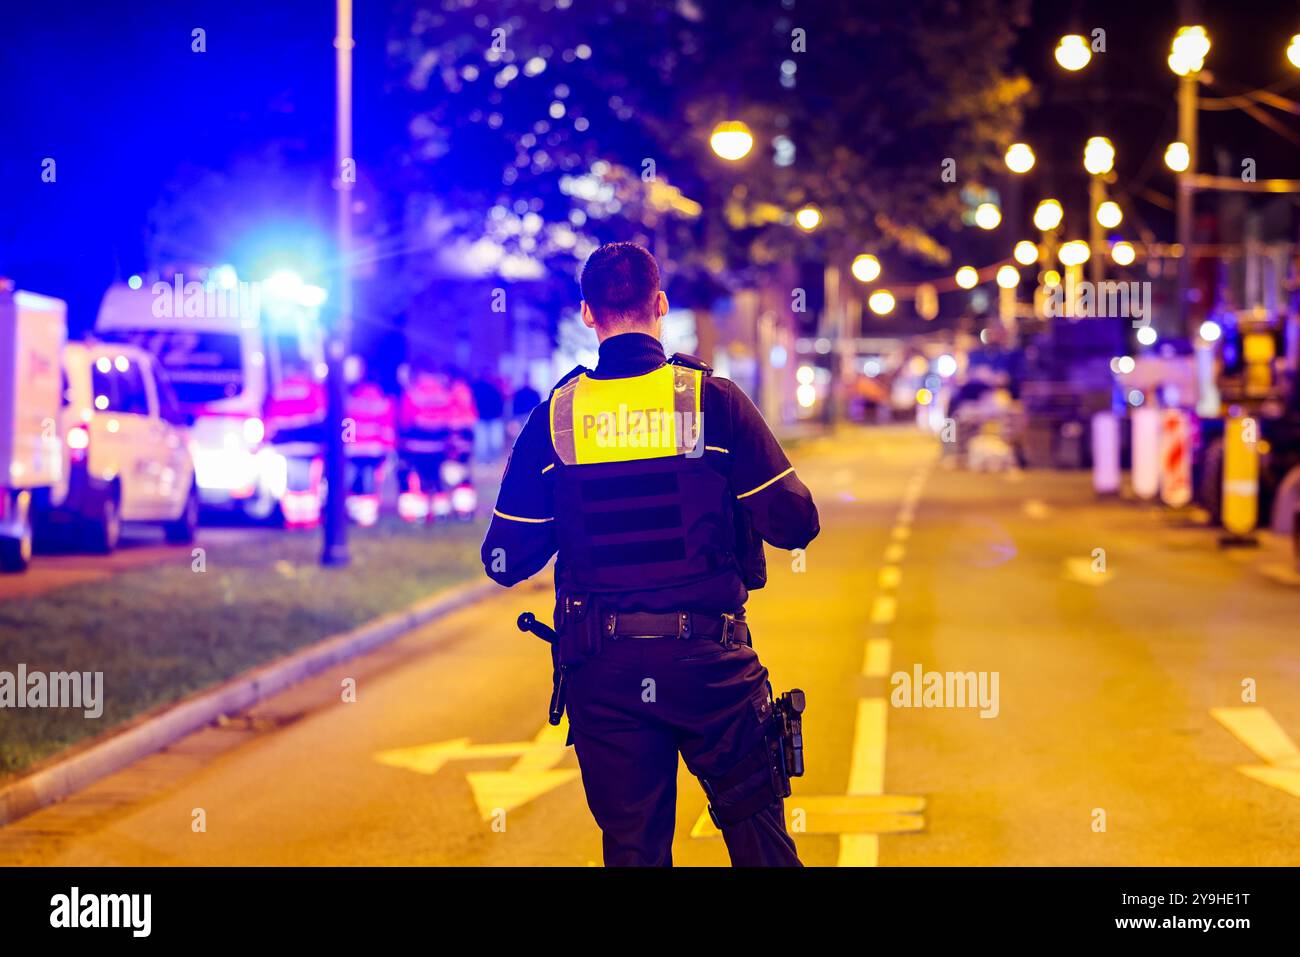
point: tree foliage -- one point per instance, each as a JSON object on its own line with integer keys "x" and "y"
{"x": 535, "y": 127}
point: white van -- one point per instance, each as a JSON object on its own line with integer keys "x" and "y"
{"x": 223, "y": 358}
{"x": 127, "y": 449}
{"x": 32, "y": 331}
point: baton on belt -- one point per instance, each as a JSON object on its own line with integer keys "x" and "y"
{"x": 559, "y": 675}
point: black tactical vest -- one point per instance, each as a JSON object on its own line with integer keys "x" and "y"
{"x": 636, "y": 507}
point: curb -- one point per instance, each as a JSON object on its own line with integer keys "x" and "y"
{"x": 154, "y": 732}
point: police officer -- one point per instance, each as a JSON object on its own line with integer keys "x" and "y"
{"x": 651, "y": 478}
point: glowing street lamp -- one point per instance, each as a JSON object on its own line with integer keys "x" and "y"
{"x": 1098, "y": 155}
{"x": 1048, "y": 215}
{"x": 1008, "y": 277}
{"x": 1020, "y": 158}
{"x": 987, "y": 216}
{"x": 731, "y": 140}
{"x": 1177, "y": 156}
{"x": 1026, "y": 253}
{"x": 808, "y": 218}
{"x": 1123, "y": 253}
{"x": 865, "y": 268}
{"x": 967, "y": 277}
{"x": 1189, "y": 49}
{"x": 1293, "y": 51}
{"x": 1074, "y": 253}
{"x": 881, "y": 302}
{"x": 1073, "y": 52}
{"x": 1109, "y": 214}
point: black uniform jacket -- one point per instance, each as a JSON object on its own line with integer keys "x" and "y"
{"x": 738, "y": 444}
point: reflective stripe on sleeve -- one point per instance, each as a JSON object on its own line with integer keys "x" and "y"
{"x": 774, "y": 479}
{"x": 518, "y": 518}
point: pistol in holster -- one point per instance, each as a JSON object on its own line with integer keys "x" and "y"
{"x": 763, "y": 776}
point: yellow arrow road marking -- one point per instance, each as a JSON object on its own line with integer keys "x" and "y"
{"x": 531, "y": 776}
{"x": 547, "y": 749}
{"x": 507, "y": 790}
{"x": 1284, "y": 779}
{"x": 1255, "y": 728}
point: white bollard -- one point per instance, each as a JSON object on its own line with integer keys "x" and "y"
{"x": 1105, "y": 452}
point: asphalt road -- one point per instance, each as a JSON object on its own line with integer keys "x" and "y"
{"x": 1118, "y": 733}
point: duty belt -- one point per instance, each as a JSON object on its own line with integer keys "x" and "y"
{"x": 727, "y": 629}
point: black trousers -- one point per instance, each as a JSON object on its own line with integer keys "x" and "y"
{"x": 637, "y": 705}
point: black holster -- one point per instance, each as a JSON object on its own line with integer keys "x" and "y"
{"x": 578, "y": 627}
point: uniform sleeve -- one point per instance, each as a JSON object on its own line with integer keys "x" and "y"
{"x": 521, "y": 537}
{"x": 763, "y": 480}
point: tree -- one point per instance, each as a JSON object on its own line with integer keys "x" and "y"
{"x": 538, "y": 130}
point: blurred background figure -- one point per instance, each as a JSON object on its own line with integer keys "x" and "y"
{"x": 373, "y": 439}
{"x": 490, "y": 403}
{"x": 456, "y": 495}
{"x": 295, "y": 424}
{"x": 423, "y": 425}
{"x": 525, "y": 399}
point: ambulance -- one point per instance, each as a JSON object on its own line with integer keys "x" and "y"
{"x": 227, "y": 346}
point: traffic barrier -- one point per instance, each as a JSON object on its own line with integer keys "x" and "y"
{"x": 1146, "y": 452}
{"x": 1240, "y": 480}
{"x": 1105, "y": 453}
{"x": 1175, "y": 458}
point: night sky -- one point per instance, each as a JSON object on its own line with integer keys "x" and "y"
{"x": 114, "y": 94}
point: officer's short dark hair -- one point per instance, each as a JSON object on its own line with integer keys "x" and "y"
{"x": 619, "y": 282}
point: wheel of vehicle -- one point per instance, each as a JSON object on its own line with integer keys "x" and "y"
{"x": 181, "y": 531}
{"x": 106, "y": 527}
{"x": 1210, "y": 488}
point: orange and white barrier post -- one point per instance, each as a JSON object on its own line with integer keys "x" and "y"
{"x": 1175, "y": 458}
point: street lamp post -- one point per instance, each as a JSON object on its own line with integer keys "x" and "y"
{"x": 1187, "y": 96}
{"x": 335, "y": 548}
{"x": 1096, "y": 235}
{"x": 1186, "y": 57}
{"x": 1098, "y": 160}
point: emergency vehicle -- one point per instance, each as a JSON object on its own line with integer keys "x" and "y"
{"x": 32, "y": 462}
{"x": 235, "y": 352}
